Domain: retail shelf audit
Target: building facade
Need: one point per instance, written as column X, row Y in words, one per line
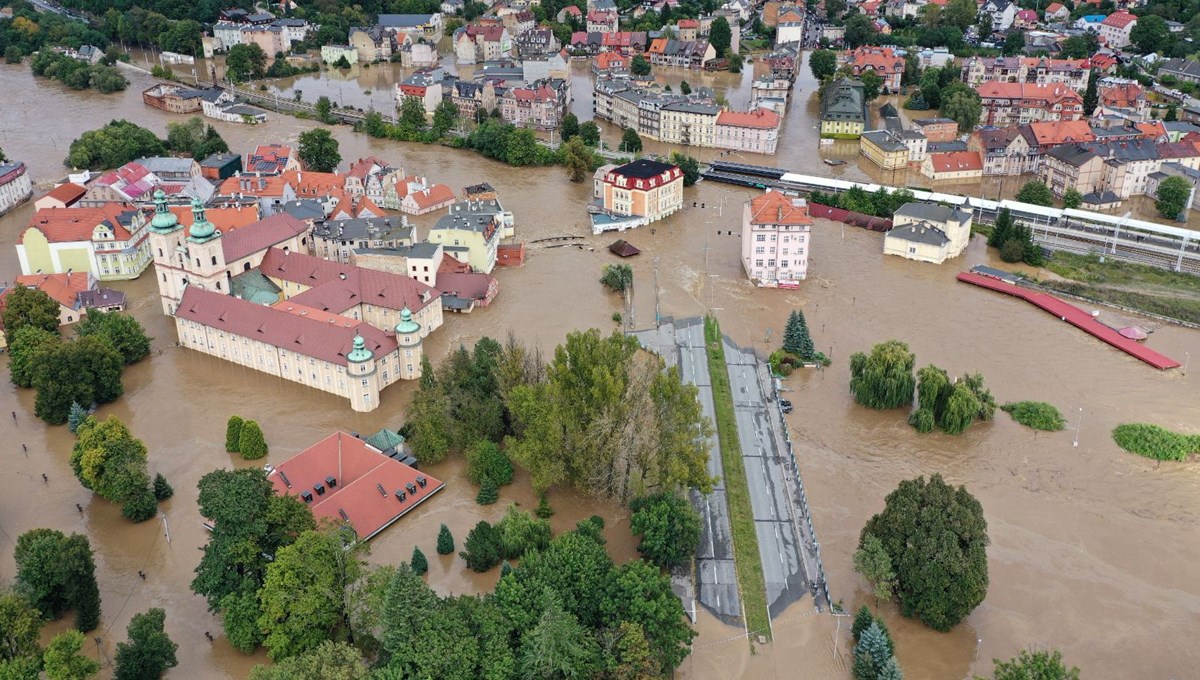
column 15, row 186
column 843, row 110
column 109, row 242
column 1019, row 103
column 776, row 238
column 643, row 188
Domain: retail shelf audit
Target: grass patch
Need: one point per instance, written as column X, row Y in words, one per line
column 1089, row 269
column 1182, row 308
column 1175, row 295
column 1036, row 414
column 747, row 560
column 1156, row 442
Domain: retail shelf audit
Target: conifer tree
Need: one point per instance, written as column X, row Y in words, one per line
column 162, row 489
column 75, row 417
column 252, row 445
column 488, row 493
column 419, row 564
column 445, row 541
column 233, row 434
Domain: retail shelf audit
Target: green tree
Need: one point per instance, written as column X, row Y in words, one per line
column 373, row 124
column 239, row 617
column 884, row 379
column 20, row 624
column 862, row 620
column 305, row 594
column 1091, row 96
column 873, row 563
column 1034, row 665
column 859, row 31
column 796, row 338
column 445, row 541
column 251, row 443
column 570, row 127
column 1171, row 197
column 63, row 660
column 408, row 603
column 638, row 592
column 577, row 158
column 823, row 64
column 1072, row 198
column 25, row 349
column 1150, row 34
column 85, row 371
column 162, row 488
column 485, row 461
column 488, row 494
column 720, row 36
column 871, row 653
column 937, row 540
column 735, row 63
column 520, row 532
column 122, row 331
column 329, row 661
column 412, row 114
column 113, row 145
column 245, row 62
column 1037, row 193
column 12, row 55
column 149, row 652
column 617, row 277
column 669, row 528
column 324, row 110
column 419, row 564
column 960, row 13
column 984, row 25
column 140, row 507
column 482, row 549
column 1001, row 229
column 110, row 461
column 445, row 117
column 685, row 87
column 319, row 150
column 1080, row 47
column 1014, row 43
column 872, row 85
column 233, row 434
column 589, row 132
column 963, row 107
column 558, row 647
column 56, row 573
column 639, row 66
column 29, row 307
column 688, row 165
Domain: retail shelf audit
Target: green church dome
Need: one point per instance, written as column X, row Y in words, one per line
column 164, row 220
column 202, row 229
column 360, row 353
column 407, row 326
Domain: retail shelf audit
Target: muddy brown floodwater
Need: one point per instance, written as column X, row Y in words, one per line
column 1093, row 550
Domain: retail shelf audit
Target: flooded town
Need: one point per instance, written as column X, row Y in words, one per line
column 748, row 394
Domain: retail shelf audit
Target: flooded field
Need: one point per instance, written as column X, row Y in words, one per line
column 1093, row 549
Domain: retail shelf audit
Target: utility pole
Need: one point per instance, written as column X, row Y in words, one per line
column 1078, row 427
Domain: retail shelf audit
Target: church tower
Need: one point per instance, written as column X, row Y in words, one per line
column 408, row 336
column 205, row 256
column 166, row 246
column 361, row 377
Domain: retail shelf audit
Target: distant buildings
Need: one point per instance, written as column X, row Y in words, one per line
column 416, row 26
column 541, row 104
column 843, row 110
column 15, row 186
column 1184, row 70
column 1116, row 28
column 635, row 194
column 881, row 61
column 928, row 233
column 1018, row 103
column 1073, row 73
column 75, row 293
column 61, row 196
column 775, row 240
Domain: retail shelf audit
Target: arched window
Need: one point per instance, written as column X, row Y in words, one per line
column 218, row 285
column 197, row 262
column 160, row 253
column 246, row 267
column 214, row 260
column 164, row 278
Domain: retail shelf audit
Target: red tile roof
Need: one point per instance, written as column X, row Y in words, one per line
column 360, row 471
column 1052, row 132
column 1119, row 19
column 64, row 288
column 466, row 285
column 763, row 119
column 225, row 219
column 317, row 338
column 689, row 23
column 775, row 208
column 1028, row 15
column 66, row 193
column 337, row 287
column 1121, row 95
column 1028, row 92
column 252, row 185
column 436, row 194
column 1054, row 7
column 881, row 60
column 607, row 60
column 956, row 161
column 66, row 225
column 260, row 236
column 1152, row 129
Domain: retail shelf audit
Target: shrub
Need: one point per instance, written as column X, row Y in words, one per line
column 1156, row 442
column 252, row 445
column 544, row 510
column 445, row 541
column 520, row 532
column 162, row 489
column 1012, row 251
column 486, row 462
column 141, row 507
column 1036, row 414
column 482, row 547
column 233, row 434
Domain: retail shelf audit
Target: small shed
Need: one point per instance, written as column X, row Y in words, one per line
column 623, row 248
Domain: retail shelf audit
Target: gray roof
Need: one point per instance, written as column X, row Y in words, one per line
column 404, row 20
column 920, row 232
column 423, row 251
column 932, row 212
column 1180, row 67
column 304, row 209
column 244, row 110
column 952, row 145
column 885, row 140
column 166, row 164
column 472, row 215
column 219, row 160
column 378, row 228
column 844, row 101
column 932, row 121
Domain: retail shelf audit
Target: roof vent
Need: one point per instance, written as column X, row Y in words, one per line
column 421, row 481
column 411, row 488
column 331, row 481
column 319, row 488
column 286, row 481
column 401, row 496
column 344, row 516
column 306, row 496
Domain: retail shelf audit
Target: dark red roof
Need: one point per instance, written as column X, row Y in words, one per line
column 311, row 337
column 359, row 471
column 336, row 287
column 261, row 235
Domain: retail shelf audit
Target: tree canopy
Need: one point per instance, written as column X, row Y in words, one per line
column 56, row 572
column 113, row 145
column 1034, row 665
column 84, row 371
column 29, row 307
column 319, row 150
column 936, row 538
column 1036, row 192
column 883, row 379
column 122, row 331
column 149, row 652
column 823, row 64
column 669, row 527
column 1172, row 196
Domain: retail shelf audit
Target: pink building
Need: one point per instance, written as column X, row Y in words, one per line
column 754, row 131
column 775, row 240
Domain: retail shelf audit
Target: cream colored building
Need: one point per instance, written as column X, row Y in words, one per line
column 644, row 188
column 884, row 148
column 331, row 54
column 928, row 233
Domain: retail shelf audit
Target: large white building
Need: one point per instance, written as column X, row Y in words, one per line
column 776, row 236
column 928, row 233
column 15, row 187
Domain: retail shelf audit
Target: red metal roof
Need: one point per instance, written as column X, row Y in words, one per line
column 1074, row 316
column 359, row 471
column 261, row 235
column 66, row 193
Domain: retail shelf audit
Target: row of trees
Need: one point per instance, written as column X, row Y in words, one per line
column 245, row 437
column 601, row 416
column 77, row 74
column 1014, row 240
column 874, row 650
column 884, row 380
column 880, row 203
column 120, row 142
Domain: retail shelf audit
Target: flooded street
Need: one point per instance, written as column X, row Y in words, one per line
column 1093, row 549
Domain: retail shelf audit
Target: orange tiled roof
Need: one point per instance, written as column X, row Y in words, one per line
column 759, row 118
column 1050, row 132
column 225, row 219
column 775, row 208
column 66, row 225
column 64, row 288
column 956, row 161
column 436, row 194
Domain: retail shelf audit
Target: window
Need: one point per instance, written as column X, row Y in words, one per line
column 760, row 238
column 214, row 260
column 364, row 382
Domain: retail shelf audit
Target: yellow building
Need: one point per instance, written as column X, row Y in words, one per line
column 928, row 233
column 883, row 148
column 843, row 110
column 474, row 225
column 109, row 242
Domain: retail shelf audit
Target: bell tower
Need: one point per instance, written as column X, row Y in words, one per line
column 166, row 247
column 361, row 377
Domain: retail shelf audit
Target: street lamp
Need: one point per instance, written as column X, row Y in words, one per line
column 1078, row 427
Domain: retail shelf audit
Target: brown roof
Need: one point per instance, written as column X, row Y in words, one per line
column 261, row 235
column 311, row 337
column 225, row 219
column 997, row 138
column 66, row 193
column 336, row 287
column 759, row 118
column 1050, row 132
column 1180, row 149
column 436, row 194
column 64, row 288
column 466, row 285
column 956, row 161
column 66, row 225
column 362, row 167
column 775, row 208
column 360, row 471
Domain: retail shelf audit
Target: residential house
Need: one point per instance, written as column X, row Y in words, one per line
column 790, row 28
column 62, row 196
column 928, row 233
column 569, row 14
column 1123, row 168
column 537, row 42
column 338, row 239
column 416, row 26
column 884, row 148
column 76, row 294
column 776, row 238
column 880, row 60
column 756, row 131
column 541, row 105
column 477, row 227
column 470, row 97
column 373, row 44
column 1073, row 73
column 1126, row 97
column 270, row 38
column 957, row 166
column 425, row 85
column 1056, row 11
column 272, row 159
column 1116, row 28
column 1018, row 103
column 1090, row 23
column 610, row 63
column 1041, row 136
column 937, row 129
column 1183, row 70
column 332, row 54
column 602, row 21
column 109, row 242
column 1002, row 13
column 357, row 177
column 1189, row 175
column 843, row 110
column 1025, row 19
column 687, row 29
column 783, row 61
column 474, row 44
column 770, row 92
column 1004, row 150
column 424, row 198
column 644, row 189
column 15, row 185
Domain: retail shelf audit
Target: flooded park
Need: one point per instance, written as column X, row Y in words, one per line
column 1093, row 550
